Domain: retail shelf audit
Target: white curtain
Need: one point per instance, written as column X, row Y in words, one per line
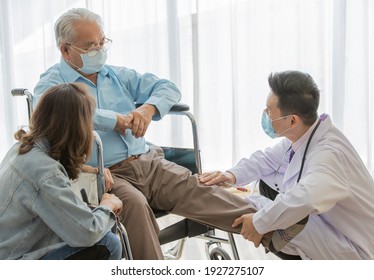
column 219, row 53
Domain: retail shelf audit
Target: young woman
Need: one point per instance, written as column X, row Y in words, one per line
column 40, row 216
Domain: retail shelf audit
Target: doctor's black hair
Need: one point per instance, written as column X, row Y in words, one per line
column 298, row 94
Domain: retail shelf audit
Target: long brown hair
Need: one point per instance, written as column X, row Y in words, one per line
column 63, row 117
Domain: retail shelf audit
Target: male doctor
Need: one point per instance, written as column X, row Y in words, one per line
column 313, row 175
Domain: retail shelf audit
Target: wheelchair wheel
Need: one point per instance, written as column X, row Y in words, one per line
column 219, row 254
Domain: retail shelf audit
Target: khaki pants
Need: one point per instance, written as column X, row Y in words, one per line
column 153, row 182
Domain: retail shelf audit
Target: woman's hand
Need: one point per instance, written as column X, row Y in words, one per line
column 113, row 202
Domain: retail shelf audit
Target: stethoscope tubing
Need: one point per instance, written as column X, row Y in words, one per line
column 306, row 150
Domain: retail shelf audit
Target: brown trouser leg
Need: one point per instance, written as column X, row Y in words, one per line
column 152, row 181
column 138, row 219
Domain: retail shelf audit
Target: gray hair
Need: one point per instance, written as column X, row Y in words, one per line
column 64, row 26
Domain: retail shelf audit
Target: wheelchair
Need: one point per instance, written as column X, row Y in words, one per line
column 176, row 232
column 185, row 228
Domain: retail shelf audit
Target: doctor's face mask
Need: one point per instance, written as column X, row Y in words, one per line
column 267, row 125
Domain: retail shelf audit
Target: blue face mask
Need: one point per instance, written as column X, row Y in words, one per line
column 93, row 64
column 267, row 125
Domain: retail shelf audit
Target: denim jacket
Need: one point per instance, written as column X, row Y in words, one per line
column 38, row 209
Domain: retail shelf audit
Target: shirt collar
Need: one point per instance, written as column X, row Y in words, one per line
column 43, row 144
column 69, row 74
column 302, row 139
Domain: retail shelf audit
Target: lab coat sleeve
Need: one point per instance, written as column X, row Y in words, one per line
column 322, row 185
column 261, row 163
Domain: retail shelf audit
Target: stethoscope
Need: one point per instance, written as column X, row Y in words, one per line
column 303, row 159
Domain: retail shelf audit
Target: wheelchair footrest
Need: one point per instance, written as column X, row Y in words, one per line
column 182, row 229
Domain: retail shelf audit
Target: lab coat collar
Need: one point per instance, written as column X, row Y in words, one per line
column 294, row 166
column 304, row 138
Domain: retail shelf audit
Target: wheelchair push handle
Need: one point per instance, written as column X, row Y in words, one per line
column 29, row 98
column 23, row 92
column 19, row 91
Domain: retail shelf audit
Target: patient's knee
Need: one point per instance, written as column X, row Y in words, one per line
column 136, row 207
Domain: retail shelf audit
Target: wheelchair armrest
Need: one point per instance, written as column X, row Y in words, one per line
column 180, row 107
column 184, row 110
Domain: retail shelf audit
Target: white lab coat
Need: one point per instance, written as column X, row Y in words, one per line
column 336, row 190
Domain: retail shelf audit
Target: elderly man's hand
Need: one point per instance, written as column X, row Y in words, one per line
column 141, row 118
column 123, row 122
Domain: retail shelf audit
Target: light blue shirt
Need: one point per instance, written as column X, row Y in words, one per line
column 117, row 91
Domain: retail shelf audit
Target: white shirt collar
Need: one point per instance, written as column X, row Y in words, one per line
column 302, row 139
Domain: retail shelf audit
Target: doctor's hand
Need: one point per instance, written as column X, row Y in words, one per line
column 123, row 122
column 248, row 231
column 141, row 118
column 217, row 178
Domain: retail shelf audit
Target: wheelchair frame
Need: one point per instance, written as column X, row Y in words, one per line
column 175, row 232
column 186, row 227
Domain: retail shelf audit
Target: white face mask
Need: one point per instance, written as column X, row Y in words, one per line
column 93, row 64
